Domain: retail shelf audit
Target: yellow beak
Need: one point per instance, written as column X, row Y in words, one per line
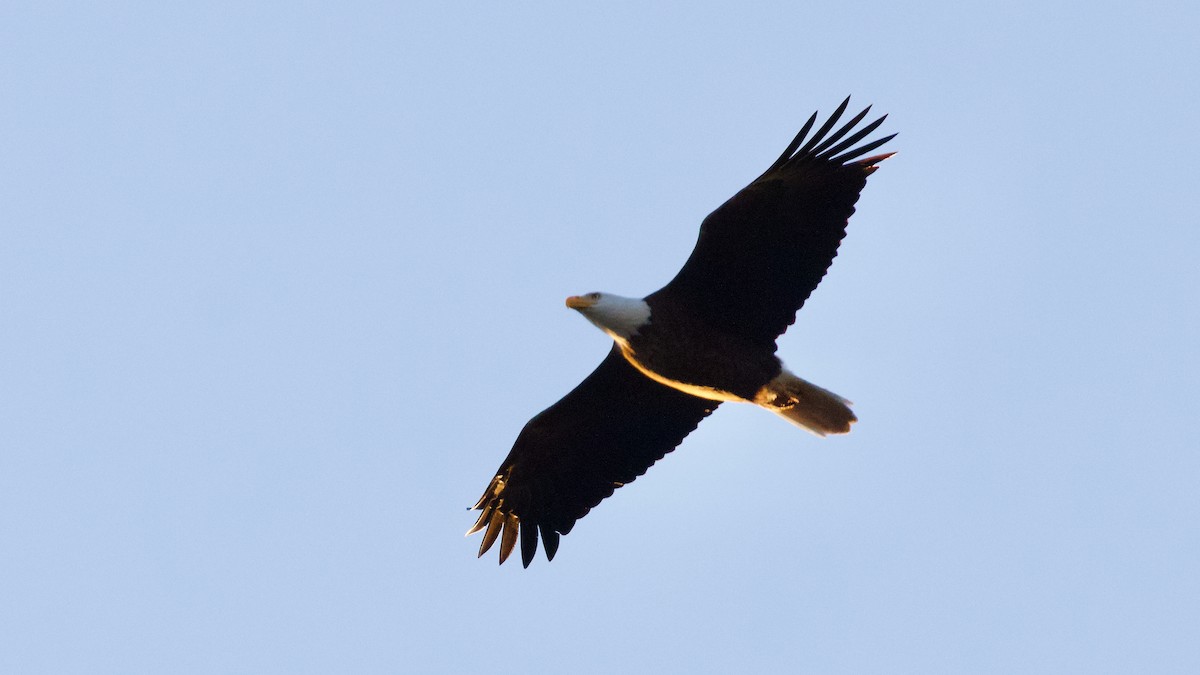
column 579, row 302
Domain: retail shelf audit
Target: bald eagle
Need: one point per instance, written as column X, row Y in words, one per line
column 706, row 337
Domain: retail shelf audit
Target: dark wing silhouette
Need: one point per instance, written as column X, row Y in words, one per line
column 568, row 458
column 760, row 254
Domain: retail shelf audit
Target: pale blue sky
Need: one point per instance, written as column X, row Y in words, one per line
column 280, row 283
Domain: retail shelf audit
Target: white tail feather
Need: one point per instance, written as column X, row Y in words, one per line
column 806, row 405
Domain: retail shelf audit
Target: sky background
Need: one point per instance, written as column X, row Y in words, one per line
column 281, row 282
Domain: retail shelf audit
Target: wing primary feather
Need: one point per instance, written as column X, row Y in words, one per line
column 858, row 152
column 817, row 137
column 874, row 160
column 858, row 136
column 511, row 524
column 837, row 135
column 549, row 542
column 871, row 164
column 481, row 523
column 791, row 148
column 529, row 540
column 493, row 531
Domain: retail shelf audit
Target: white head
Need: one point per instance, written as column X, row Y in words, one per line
column 618, row 316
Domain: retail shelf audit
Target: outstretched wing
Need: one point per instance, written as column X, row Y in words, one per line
column 568, row 458
column 760, row 254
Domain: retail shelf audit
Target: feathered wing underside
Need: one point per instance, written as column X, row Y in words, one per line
column 760, row 254
column 605, row 433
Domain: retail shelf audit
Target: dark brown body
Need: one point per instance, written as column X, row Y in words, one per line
column 705, row 361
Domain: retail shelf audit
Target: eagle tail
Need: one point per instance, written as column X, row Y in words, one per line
column 806, row 405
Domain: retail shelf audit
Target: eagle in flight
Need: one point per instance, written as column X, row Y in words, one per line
column 706, row 337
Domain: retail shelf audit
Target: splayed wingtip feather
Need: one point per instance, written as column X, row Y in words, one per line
column 820, row 135
column 858, row 152
column 549, row 542
column 529, row 542
column 493, row 531
column 509, row 538
column 480, row 523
